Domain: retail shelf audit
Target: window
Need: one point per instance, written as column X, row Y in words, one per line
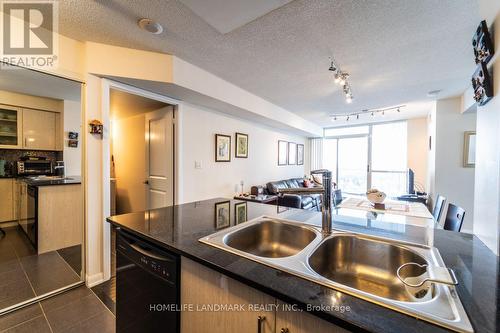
column 371, row 156
column 389, row 160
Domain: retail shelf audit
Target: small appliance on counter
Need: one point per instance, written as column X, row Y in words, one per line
column 34, row 165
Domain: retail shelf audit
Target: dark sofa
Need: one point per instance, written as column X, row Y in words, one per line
column 303, row 201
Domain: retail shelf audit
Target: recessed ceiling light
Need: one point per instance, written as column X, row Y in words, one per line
column 150, row 26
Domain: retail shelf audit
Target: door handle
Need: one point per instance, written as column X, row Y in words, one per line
column 146, row 182
column 285, row 330
column 260, row 321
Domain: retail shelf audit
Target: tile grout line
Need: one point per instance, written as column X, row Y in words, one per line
column 22, row 323
column 45, row 316
column 102, row 302
column 67, row 264
column 24, row 271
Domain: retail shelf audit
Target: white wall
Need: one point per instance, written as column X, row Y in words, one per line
column 417, row 142
column 451, row 179
column 487, row 198
column 72, row 123
column 198, row 127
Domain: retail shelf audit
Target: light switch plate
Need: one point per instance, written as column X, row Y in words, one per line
column 198, row 164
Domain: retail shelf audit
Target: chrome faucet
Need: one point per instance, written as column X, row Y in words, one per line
column 326, row 206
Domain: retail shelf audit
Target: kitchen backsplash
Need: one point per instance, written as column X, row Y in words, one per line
column 12, row 155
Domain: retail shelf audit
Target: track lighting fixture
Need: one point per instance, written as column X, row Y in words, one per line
column 372, row 112
column 341, row 78
column 332, row 67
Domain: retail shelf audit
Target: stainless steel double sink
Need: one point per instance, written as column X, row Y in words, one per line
column 357, row 264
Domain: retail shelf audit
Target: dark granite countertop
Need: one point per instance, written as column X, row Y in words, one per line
column 178, row 229
column 70, row 180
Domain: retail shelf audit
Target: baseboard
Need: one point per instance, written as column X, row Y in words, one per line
column 94, row 280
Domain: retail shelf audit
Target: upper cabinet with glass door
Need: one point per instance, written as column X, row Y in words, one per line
column 10, row 127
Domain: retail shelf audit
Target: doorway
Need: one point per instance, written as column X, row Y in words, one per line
column 139, row 163
column 141, row 148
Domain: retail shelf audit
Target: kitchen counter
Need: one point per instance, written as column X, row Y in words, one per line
column 178, row 229
column 70, row 180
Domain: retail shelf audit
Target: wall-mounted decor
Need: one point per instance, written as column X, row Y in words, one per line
column 482, row 84
column 96, row 127
column 469, row 149
column 222, row 148
column 73, row 139
column 300, row 154
column 240, row 212
column 241, row 150
column 282, row 152
column 292, row 153
column 222, row 214
column 482, row 44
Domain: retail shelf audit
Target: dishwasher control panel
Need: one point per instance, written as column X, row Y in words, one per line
column 149, row 257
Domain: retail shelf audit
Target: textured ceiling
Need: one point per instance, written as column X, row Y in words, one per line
column 395, row 50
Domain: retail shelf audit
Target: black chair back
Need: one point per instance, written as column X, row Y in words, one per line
column 438, row 207
column 454, row 218
column 337, row 197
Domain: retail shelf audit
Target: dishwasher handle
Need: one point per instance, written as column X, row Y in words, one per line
column 136, row 245
column 149, row 253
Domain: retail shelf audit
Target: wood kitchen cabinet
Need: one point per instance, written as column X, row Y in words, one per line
column 39, row 129
column 31, row 122
column 10, row 127
column 202, row 287
column 302, row 322
column 7, row 212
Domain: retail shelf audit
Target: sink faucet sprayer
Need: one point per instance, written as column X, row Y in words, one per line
column 326, row 206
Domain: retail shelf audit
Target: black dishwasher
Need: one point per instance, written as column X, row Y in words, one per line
column 147, row 286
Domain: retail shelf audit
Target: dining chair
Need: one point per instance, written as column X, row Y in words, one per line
column 438, row 207
column 454, row 218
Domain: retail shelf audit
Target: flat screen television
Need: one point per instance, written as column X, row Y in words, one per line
column 411, row 181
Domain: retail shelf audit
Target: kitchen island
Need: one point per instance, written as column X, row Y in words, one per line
column 50, row 211
column 178, row 229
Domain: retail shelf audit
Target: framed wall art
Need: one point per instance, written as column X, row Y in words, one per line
column 469, row 149
column 282, row 152
column 300, row 154
column 222, row 148
column 241, row 150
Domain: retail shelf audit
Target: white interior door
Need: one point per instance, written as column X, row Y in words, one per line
column 159, row 158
